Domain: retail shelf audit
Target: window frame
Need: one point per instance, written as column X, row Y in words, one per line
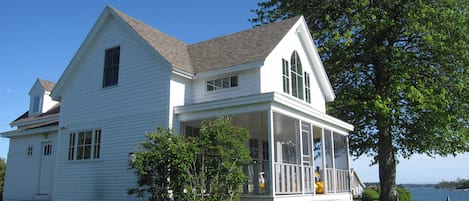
column 37, row 103
column 84, row 148
column 296, row 71
column 286, row 76
column 222, row 83
column 307, row 87
column 111, row 67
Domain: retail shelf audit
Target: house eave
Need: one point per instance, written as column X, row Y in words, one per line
column 41, row 130
column 35, row 120
column 308, row 43
column 183, row 73
column 257, row 102
column 231, row 69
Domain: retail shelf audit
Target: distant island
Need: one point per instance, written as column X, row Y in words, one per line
column 458, row 184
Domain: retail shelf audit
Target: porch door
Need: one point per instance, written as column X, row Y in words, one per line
column 45, row 177
column 307, row 156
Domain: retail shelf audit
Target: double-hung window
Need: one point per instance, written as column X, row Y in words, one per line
column 84, row 145
column 111, row 67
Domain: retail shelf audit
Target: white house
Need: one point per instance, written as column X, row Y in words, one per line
column 31, row 156
column 356, row 184
column 127, row 78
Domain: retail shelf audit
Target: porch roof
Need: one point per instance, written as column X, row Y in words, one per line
column 254, row 103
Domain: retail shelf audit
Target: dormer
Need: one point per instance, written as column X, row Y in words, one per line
column 40, row 101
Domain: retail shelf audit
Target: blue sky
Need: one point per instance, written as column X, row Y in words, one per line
column 39, row 38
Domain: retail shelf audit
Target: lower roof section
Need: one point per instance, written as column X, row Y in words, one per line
column 260, row 102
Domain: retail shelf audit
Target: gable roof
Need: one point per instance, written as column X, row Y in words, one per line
column 226, row 51
column 239, row 48
column 172, row 49
column 47, row 85
column 229, row 50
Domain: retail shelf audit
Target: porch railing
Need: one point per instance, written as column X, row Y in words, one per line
column 338, row 180
column 287, row 178
column 254, row 172
column 291, row 179
column 342, row 180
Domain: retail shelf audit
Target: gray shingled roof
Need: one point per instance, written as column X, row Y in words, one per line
column 48, row 85
column 229, row 50
column 55, row 110
column 239, row 48
column 172, row 49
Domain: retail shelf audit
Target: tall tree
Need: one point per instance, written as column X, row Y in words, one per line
column 400, row 72
column 2, row 176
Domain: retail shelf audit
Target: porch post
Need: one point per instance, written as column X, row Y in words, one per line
column 302, row 169
column 271, row 142
column 324, row 165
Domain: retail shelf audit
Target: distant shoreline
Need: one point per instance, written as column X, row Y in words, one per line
column 456, row 190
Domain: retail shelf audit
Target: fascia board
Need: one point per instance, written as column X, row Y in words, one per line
column 271, row 98
column 305, row 108
column 232, row 69
column 26, row 122
column 56, row 93
column 320, row 73
column 41, row 130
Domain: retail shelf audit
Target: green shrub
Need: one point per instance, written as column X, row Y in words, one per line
column 403, row 193
column 370, row 195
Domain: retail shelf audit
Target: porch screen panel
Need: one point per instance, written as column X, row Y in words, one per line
column 286, row 130
column 341, row 163
column 328, row 146
column 319, row 172
column 287, row 154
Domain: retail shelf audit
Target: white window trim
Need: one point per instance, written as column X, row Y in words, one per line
column 93, row 145
column 221, row 87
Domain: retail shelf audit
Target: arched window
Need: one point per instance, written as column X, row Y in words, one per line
column 296, row 76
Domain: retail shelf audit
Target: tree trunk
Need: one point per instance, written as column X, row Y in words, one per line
column 387, row 166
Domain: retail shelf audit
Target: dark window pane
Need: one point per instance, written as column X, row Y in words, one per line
column 234, row 81
column 111, row 67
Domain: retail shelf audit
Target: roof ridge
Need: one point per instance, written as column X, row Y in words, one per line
column 238, row 48
column 175, row 51
column 46, row 84
column 262, row 26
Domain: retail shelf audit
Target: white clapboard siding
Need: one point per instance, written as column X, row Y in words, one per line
column 139, row 103
column 271, row 72
column 181, row 94
column 248, row 84
column 22, row 176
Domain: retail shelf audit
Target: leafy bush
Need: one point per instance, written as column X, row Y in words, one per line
column 373, row 195
column 404, row 194
column 207, row 167
column 370, row 195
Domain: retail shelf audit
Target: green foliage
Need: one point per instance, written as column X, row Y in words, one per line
column 399, row 70
column 208, row 167
column 370, row 195
column 404, row 194
column 3, row 166
column 458, row 184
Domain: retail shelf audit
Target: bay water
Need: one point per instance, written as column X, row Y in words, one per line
column 434, row 194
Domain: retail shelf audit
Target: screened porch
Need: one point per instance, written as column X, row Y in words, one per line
column 290, row 156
